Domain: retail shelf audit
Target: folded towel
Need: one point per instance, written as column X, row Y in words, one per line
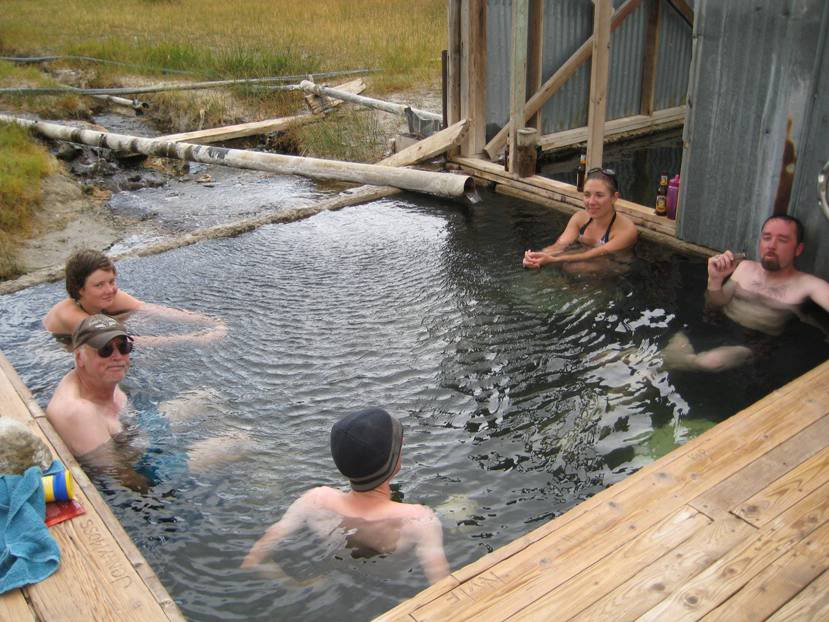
column 28, row 553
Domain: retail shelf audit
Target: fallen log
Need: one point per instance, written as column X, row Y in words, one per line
column 445, row 185
column 419, row 152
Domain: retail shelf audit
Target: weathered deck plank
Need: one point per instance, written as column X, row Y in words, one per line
column 102, row 575
column 601, row 560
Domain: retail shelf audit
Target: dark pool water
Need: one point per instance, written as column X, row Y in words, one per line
column 521, row 393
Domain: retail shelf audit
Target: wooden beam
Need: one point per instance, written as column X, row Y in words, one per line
column 535, row 50
column 228, row 132
column 518, row 84
column 649, row 61
column 555, row 82
column 684, row 10
column 268, row 126
column 561, row 192
column 428, row 148
column 617, row 128
column 473, row 73
column 596, row 113
column 453, row 83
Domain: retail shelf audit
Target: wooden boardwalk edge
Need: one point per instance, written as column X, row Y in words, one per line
column 99, row 560
column 764, row 435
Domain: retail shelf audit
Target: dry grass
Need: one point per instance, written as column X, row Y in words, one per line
column 254, row 37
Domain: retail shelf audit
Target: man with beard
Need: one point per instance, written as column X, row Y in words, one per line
column 760, row 296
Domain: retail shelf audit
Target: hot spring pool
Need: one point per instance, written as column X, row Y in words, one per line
column 521, row 393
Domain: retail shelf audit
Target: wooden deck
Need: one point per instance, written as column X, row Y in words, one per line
column 734, row 525
column 102, row 575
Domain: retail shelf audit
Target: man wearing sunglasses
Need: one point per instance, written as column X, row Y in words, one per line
column 87, row 405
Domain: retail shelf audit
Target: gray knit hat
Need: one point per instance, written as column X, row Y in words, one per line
column 365, row 446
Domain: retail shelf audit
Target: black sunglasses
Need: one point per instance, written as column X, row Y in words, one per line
column 124, row 345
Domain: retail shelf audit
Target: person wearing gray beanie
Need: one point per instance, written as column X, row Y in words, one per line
column 366, row 446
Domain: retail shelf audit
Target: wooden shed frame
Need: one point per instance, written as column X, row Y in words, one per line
column 466, row 98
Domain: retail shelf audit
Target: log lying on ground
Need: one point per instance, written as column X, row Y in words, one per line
column 419, row 152
column 445, row 185
column 228, row 132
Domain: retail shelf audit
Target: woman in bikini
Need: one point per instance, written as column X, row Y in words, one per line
column 599, row 229
column 90, row 283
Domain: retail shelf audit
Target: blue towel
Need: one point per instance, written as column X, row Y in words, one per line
column 28, row 553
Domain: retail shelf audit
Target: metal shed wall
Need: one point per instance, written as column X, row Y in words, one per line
column 754, row 69
column 814, row 153
column 568, row 24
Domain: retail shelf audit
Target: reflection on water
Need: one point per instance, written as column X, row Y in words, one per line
column 521, row 392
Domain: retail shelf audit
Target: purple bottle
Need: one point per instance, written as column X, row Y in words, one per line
column 673, row 197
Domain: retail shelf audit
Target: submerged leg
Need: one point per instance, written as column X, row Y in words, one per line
column 679, row 355
column 218, row 450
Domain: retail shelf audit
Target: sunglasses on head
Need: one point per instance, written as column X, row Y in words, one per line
column 607, row 172
column 604, row 171
column 124, row 345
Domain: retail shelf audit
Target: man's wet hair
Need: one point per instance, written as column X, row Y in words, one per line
column 787, row 218
column 80, row 265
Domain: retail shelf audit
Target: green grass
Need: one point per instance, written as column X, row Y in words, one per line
column 23, row 163
column 353, row 136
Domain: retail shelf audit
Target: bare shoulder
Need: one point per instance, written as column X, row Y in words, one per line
column 579, row 218
column 67, row 407
column 627, row 225
column 321, row 497
column 419, row 513
column 63, row 317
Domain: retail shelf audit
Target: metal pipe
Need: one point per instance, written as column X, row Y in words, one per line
column 399, row 109
column 136, row 105
column 158, row 88
column 439, row 184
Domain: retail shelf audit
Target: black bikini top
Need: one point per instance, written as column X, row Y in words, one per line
column 606, row 237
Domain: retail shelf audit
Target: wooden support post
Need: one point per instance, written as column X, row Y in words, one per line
column 554, row 82
column 535, row 59
column 518, row 84
column 602, row 12
column 453, row 80
column 649, row 61
column 525, row 155
column 473, row 74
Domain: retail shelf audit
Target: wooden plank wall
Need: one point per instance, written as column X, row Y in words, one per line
column 733, row 525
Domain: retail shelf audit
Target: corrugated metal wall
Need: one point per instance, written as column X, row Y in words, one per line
column 568, row 24
column 814, row 152
column 754, row 69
